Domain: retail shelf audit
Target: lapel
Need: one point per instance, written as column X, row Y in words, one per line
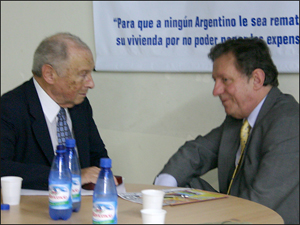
column 272, row 96
column 38, row 121
column 80, row 128
column 228, row 149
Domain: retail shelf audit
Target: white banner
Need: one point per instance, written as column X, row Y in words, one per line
column 176, row 36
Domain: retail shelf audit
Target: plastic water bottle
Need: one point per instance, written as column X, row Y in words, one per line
column 75, row 169
column 60, row 184
column 105, row 197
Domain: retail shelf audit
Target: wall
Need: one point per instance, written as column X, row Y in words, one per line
column 143, row 118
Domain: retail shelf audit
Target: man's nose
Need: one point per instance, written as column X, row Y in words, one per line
column 90, row 82
column 218, row 88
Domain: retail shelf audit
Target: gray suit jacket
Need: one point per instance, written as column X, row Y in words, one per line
column 269, row 173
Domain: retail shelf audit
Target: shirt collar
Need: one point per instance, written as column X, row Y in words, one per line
column 253, row 115
column 50, row 107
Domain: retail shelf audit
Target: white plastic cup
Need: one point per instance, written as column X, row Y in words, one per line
column 11, row 189
column 152, row 199
column 153, row 216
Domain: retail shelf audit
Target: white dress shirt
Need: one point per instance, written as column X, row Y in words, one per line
column 51, row 109
column 165, row 179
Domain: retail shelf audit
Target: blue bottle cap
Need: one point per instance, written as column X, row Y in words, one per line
column 70, row 143
column 4, row 206
column 105, row 162
column 60, row 149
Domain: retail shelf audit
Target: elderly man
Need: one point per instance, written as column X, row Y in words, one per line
column 62, row 68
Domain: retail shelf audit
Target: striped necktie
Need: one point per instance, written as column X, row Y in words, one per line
column 63, row 131
column 243, row 140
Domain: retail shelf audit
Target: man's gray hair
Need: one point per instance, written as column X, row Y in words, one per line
column 53, row 50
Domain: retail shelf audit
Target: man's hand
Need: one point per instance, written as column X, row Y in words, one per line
column 90, row 175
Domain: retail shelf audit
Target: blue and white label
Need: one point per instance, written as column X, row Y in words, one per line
column 104, row 212
column 76, row 188
column 60, row 196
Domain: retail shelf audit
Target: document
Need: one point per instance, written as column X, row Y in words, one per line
column 177, row 196
column 120, row 189
column 40, row 192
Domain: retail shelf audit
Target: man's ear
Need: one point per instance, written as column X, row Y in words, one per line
column 258, row 76
column 48, row 73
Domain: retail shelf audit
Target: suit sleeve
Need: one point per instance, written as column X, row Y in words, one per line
column 97, row 146
column 194, row 158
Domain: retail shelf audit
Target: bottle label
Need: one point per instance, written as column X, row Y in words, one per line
column 60, row 196
column 104, row 212
column 76, row 188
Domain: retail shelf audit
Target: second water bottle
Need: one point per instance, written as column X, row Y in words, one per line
column 60, row 199
column 75, row 169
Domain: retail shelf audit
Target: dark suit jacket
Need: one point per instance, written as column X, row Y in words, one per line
column 269, row 173
column 26, row 148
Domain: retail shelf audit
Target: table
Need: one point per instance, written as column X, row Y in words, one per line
column 34, row 209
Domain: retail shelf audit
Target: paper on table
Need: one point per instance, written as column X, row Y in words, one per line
column 120, row 189
column 39, row 192
column 177, row 196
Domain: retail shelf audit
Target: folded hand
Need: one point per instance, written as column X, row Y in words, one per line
column 90, row 175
